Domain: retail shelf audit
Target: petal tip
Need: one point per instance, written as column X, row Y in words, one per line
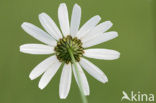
column 76, row 5
column 105, row 79
column 98, row 16
column 31, row 77
column 109, row 22
column 63, row 4
column 23, row 24
column 20, row 48
column 42, row 14
column 116, row 33
column 87, row 94
column 41, row 86
column 118, row 55
column 63, row 97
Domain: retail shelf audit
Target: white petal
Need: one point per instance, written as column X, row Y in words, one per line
column 36, row 49
column 105, row 26
column 93, row 70
column 105, row 54
column 101, row 28
column 42, row 67
column 97, row 39
column 37, row 33
column 63, row 19
column 89, row 25
column 75, row 20
column 48, row 75
column 84, row 82
column 65, row 81
column 50, row 26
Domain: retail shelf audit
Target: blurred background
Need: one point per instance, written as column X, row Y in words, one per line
column 134, row 71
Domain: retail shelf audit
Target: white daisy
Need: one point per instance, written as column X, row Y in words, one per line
column 71, row 39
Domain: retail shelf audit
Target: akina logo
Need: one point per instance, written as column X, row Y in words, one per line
column 137, row 96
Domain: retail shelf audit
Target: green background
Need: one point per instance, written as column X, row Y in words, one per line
column 135, row 70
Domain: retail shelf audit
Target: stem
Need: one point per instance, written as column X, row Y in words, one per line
column 84, row 99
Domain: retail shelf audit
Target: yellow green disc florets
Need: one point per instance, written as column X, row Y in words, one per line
column 66, row 43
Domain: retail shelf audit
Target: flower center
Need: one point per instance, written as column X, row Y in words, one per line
column 63, row 46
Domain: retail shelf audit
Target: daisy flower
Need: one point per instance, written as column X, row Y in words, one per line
column 68, row 47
